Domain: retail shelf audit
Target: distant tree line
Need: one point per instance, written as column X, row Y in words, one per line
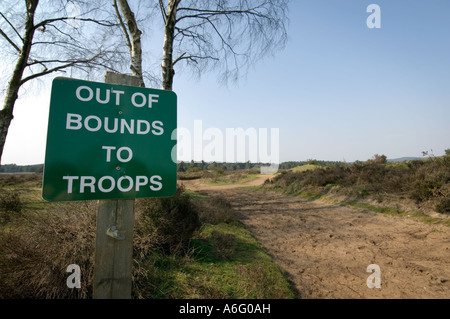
column 13, row 168
column 184, row 166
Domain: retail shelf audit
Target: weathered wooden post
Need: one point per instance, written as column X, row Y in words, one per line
column 114, row 237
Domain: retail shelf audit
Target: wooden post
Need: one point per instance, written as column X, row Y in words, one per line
column 114, row 238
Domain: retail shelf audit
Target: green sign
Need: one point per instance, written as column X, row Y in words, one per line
column 108, row 141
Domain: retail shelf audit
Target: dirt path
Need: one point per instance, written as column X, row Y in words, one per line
column 196, row 184
column 326, row 249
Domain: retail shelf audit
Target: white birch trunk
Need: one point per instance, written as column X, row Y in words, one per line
column 169, row 34
column 135, row 41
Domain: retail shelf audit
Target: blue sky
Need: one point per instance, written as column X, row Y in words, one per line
column 338, row 91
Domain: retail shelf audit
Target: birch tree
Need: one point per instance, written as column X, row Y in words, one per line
column 227, row 36
column 132, row 36
column 44, row 39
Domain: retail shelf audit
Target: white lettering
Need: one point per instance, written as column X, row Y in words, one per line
column 107, row 184
column 94, row 123
column 264, row 156
column 84, row 99
column 374, row 20
column 102, row 188
column 70, row 183
column 374, row 280
column 108, row 152
column 74, row 280
column 119, row 184
column 106, row 100
column 124, row 124
column 119, row 156
column 241, row 148
column 159, row 129
column 157, row 183
column 141, row 181
column 214, row 150
column 139, row 129
column 87, row 181
column 73, row 118
column 117, row 93
column 95, row 118
column 151, row 100
column 142, row 96
column 116, row 124
column 183, row 148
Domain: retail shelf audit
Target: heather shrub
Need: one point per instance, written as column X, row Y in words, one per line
column 10, row 202
column 167, row 223
column 216, row 210
column 37, row 249
column 421, row 180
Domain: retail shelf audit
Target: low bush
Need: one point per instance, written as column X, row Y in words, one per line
column 10, row 202
column 443, row 206
column 167, row 223
column 37, row 249
column 216, row 210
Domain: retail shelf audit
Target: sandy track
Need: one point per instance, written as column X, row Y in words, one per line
column 326, row 249
column 196, row 184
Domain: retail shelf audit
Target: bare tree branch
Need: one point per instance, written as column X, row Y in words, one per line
column 12, row 26
column 193, row 58
column 66, row 47
column 211, row 13
column 10, row 41
column 163, row 11
column 50, row 21
column 227, row 35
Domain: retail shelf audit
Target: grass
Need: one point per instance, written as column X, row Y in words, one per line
column 195, row 195
column 222, row 261
column 395, row 212
column 305, row 167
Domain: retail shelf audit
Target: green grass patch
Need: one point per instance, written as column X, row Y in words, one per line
column 382, row 210
column 393, row 211
column 224, row 262
column 194, row 195
column 306, row 167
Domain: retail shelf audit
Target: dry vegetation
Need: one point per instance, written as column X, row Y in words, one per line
column 219, row 176
column 173, row 238
column 420, row 185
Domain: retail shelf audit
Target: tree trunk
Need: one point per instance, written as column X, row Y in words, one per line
column 6, row 114
column 169, row 34
column 135, row 34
